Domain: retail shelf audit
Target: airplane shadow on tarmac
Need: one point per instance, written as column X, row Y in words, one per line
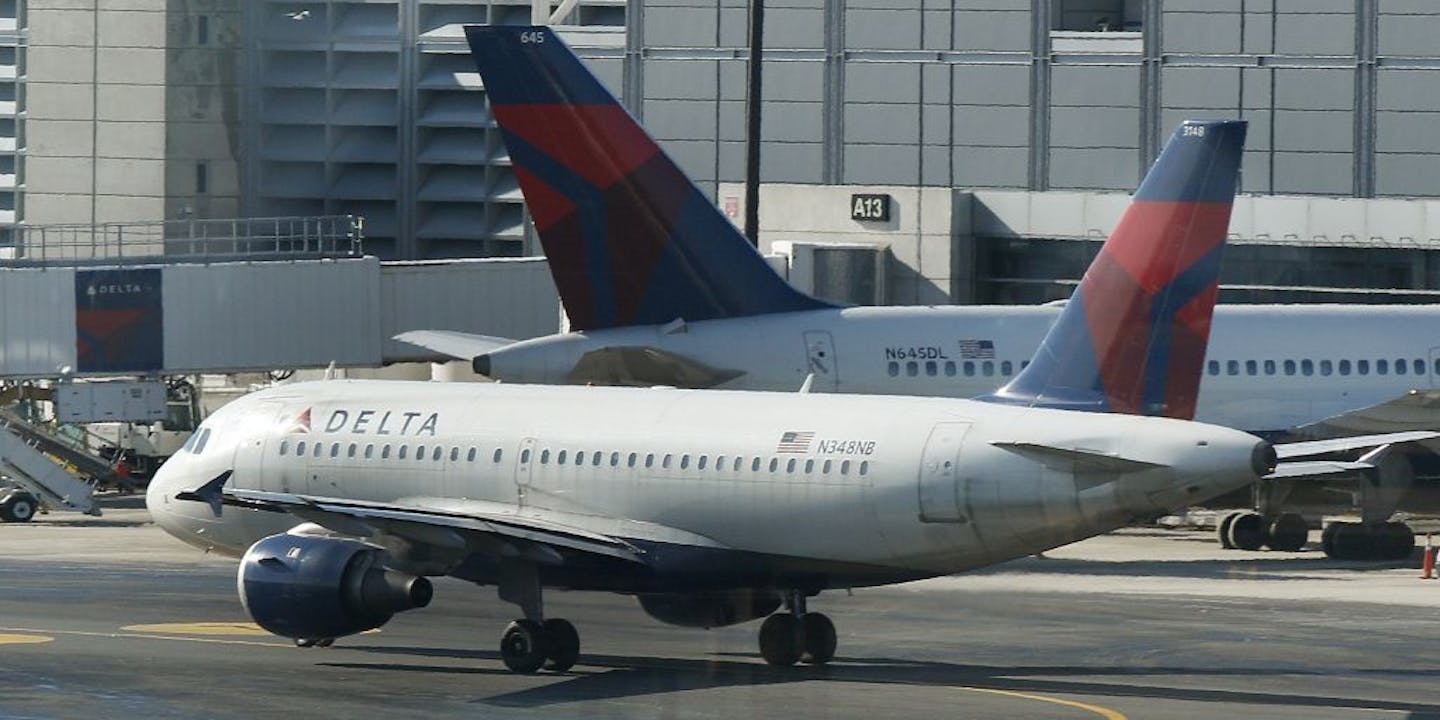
column 609, row 677
column 1247, row 566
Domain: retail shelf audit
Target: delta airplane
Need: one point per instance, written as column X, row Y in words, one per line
column 713, row 507
column 662, row 290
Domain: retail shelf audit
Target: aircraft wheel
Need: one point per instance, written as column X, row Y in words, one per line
column 1352, row 541
column 819, row 639
column 1222, row 530
column 523, row 647
column 1327, row 540
column 314, row 642
column 1397, row 541
column 1288, row 533
column 782, row 640
column 564, row 645
column 1247, row 531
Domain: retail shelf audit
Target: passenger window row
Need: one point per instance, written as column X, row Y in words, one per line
column 370, row 451
column 685, row 461
column 949, row 368
column 1324, row 368
column 667, row 461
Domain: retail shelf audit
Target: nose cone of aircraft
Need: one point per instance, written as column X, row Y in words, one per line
column 167, row 512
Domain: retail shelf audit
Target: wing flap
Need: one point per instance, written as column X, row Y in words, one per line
column 1316, row 468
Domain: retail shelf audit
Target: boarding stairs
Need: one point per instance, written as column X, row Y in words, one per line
column 59, row 471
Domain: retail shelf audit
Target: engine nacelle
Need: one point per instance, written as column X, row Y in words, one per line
column 708, row 610
column 303, row 586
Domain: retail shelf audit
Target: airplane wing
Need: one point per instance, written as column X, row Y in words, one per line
column 459, row 345
column 1286, row 451
column 1291, row 467
column 1415, row 410
column 644, row 367
column 541, row 535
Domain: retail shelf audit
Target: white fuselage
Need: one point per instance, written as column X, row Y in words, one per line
column 872, row 489
column 1269, row 367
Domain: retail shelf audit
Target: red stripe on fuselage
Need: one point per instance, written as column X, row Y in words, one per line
column 1157, row 241
column 600, row 143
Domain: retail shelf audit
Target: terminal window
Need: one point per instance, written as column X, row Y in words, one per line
column 1096, row 15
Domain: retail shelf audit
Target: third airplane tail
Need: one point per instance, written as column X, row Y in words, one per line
column 631, row 241
column 1132, row 338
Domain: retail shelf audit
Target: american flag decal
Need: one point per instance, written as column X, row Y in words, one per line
column 795, row 442
column 977, row 349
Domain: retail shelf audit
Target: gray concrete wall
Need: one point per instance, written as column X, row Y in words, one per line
column 95, row 104
column 202, row 109
column 898, row 92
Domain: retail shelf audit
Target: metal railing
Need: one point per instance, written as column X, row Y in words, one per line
column 196, row 240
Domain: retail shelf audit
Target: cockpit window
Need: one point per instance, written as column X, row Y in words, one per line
column 198, row 440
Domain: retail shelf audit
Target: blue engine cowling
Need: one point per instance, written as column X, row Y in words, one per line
column 300, row 586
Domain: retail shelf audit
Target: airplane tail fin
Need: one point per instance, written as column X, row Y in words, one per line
column 1132, row 338
column 630, row 239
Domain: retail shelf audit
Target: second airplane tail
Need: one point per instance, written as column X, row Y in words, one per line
column 1132, row 338
column 630, row 239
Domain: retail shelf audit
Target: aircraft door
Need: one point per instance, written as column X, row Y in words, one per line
column 250, row 453
column 821, row 361
column 524, row 463
column 940, row 500
column 1434, row 367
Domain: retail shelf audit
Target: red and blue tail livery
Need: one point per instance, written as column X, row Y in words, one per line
column 631, row 240
column 1132, row 338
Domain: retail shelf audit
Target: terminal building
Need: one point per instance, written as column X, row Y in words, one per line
column 1002, row 133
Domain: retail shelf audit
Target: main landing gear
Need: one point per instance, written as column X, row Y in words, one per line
column 533, row 642
column 1340, row 540
column 796, row 635
column 1251, row 531
column 1356, row 541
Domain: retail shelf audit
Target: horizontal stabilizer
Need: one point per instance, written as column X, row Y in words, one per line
column 1358, row 442
column 646, row 367
column 1070, row 459
column 461, row 346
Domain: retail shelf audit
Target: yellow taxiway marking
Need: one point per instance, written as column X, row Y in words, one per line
column 200, row 628
column 1103, row 712
column 24, row 639
column 150, row 636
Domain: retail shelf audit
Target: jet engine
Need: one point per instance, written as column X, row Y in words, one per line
column 316, row 587
column 712, row 609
